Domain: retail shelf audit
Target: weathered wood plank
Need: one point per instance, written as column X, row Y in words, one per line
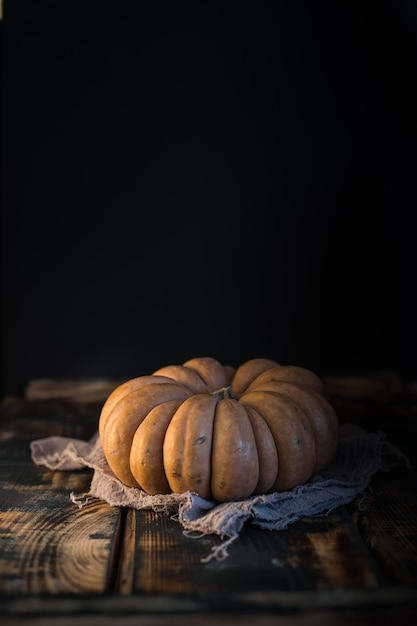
column 326, row 552
column 257, row 603
column 22, row 420
column 79, row 391
column 47, row 544
column 346, row 617
column 387, row 520
column 387, row 516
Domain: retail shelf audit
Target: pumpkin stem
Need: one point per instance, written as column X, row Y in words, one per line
column 224, row 392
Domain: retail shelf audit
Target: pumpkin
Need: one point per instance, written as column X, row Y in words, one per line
column 221, row 432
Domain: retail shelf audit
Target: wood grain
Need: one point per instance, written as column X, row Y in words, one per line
column 326, row 552
column 88, row 391
column 387, row 520
column 47, row 544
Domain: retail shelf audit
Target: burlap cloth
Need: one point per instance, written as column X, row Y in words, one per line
column 359, row 456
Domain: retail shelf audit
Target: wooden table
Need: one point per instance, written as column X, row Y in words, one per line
column 65, row 565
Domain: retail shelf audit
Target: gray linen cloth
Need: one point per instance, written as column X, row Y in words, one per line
column 359, row 456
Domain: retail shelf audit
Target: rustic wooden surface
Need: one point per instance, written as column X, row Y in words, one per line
column 58, row 562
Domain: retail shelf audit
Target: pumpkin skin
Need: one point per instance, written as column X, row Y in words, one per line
column 220, row 432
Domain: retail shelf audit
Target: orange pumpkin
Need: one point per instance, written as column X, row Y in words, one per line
column 222, row 433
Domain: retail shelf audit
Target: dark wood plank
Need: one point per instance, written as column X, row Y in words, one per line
column 346, row 617
column 386, row 516
column 387, row 520
column 326, row 552
column 275, row 603
column 79, row 392
column 47, row 544
column 22, row 419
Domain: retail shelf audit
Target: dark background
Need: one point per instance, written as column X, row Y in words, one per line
column 226, row 179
